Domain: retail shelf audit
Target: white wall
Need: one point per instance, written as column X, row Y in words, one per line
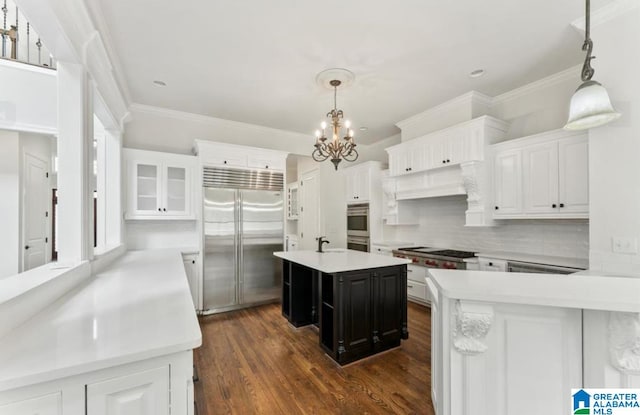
column 9, row 203
column 28, row 101
column 174, row 132
column 161, row 234
column 442, row 226
column 614, row 149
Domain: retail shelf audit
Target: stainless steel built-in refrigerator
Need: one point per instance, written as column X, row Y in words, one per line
column 243, row 216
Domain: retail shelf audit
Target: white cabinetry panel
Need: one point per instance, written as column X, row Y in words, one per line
column 540, row 175
column 142, row 393
column 508, row 182
column 573, row 190
column 190, row 262
column 42, row 405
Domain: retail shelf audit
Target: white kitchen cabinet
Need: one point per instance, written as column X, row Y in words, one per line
column 216, row 154
column 447, row 150
column 50, row 404
column 358, row 182
column 508, row 182
column 191, row 268
column 142, row 393
column 160, row 185
column 408, row 158
column 292, row 201
column 542, row 176
column 416, row 288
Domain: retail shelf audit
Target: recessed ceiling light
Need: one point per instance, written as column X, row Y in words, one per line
column 477, row 73
column 159, row 83
column 363, row 129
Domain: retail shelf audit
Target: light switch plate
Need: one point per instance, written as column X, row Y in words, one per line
column 623, row 245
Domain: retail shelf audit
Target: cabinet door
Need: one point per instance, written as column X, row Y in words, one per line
column 42, row 405
column 142, row 393
column 145, row 184
column 540, row 178
column 357, row 314
column 573, row 188
column 362, row 182
column 227, row 158
column 398, row 162
column 350, row 187
column 177, row 191
column 265, row 161
column 508, row 182
column 388, row 312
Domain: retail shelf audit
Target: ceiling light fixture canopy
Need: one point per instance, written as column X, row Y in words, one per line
column 590, row 104
column 337, row 148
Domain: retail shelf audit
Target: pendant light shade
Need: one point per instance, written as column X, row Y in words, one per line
column 590, row 104
column 590, row 107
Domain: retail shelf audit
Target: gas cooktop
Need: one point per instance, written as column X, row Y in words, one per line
column 451, row 253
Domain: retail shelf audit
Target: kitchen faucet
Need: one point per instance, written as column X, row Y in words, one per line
column 321, row 241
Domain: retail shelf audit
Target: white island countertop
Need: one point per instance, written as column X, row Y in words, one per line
column 570, row 291
column 138, row 308
column 340, row 260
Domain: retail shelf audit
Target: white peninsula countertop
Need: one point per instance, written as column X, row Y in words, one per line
column 139, row 307
column 570, row 291
column 340, row 260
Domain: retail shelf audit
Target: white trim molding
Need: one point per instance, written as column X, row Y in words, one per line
column 606, row 13
column 556, row 78
column 472, row 323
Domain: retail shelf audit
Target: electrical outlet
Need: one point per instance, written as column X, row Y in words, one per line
column 622, row 245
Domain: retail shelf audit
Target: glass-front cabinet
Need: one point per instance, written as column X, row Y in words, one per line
column 160, row 185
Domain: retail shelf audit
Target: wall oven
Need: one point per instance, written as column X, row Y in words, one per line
column 358, row 243
column 358, row 220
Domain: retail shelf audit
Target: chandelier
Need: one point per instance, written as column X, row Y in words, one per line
column 590, row 105
column 336, row 148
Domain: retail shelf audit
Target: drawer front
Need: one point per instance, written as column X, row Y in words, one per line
column 490, row 264
column 416, row 273
column 417, row 290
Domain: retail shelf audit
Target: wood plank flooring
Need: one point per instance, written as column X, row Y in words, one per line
column 253, row 362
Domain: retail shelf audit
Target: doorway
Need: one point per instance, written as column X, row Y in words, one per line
column 35, row 215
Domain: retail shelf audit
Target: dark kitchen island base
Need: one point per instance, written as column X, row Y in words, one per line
column 359, row 313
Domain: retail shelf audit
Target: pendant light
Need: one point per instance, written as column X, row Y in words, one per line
column 590, row 104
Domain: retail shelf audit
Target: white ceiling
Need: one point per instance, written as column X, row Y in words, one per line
column 256, row 61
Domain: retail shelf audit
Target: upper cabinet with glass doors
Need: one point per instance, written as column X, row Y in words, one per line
column 159, row 185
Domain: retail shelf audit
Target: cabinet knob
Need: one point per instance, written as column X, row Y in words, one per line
column 164, row 209
column 561, row 205
column 266, row 167
column 448, row 161
column 553, row 206
column 444, row 161
column 224, row 162
column 496, row 208
column 193, row 261
column 159, row 210
column 409, row 286
column 26, row 247
column 490, row 263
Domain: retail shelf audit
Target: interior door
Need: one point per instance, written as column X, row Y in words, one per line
column 34, row 212
column 262, row 213
column 309, row 210
column 220, row 216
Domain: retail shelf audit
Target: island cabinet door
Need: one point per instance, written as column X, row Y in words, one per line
column 356, row 338
column 388, row 289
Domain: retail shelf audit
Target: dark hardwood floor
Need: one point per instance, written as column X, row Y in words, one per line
column 253, row 362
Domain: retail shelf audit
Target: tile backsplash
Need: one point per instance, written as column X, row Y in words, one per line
column 442, row 225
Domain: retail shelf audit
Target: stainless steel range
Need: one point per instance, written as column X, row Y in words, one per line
column 434, row 257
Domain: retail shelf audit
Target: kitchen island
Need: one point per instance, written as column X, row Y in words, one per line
column 505, row 343
column 358, row 300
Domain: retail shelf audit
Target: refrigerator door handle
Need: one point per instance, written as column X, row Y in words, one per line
column 240, row 262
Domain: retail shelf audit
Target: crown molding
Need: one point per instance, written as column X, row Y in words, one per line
column 606, row 13
column 572, row 73
column 469, row 97
column 205, row 119
column 28, row 128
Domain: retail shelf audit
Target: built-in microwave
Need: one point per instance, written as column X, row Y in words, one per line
column 358, row 220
